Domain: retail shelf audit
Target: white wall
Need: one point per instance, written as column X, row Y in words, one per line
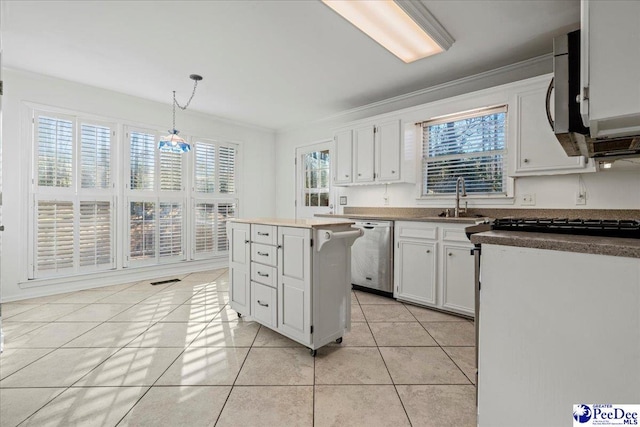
column 618, row 188
column 257, row 184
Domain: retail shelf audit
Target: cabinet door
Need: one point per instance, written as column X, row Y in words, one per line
column 416, row 271
column 239, row 267
column 388, row 139
column 294, row 283
column 364, row 154
column 458, row 278
column 343, row 157
column 610, row 59
column 537, row 148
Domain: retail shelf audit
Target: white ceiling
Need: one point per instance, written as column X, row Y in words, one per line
column 269, row 63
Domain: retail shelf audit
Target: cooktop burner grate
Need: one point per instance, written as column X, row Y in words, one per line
column 592, row 227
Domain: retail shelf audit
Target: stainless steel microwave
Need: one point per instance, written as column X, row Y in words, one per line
column 567, row 123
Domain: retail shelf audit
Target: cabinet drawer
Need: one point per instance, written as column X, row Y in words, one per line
column 264, row 254
column 263, row 304
column 264, row 274
column 455, row 235
column 266, row 234
column 416, row 230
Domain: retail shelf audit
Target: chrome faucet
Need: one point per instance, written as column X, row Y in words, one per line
column 464, row 194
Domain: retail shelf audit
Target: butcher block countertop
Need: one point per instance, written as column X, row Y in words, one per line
column 299, row 223
column 613, row 246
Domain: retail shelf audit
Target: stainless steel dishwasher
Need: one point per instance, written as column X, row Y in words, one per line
column 372, row 257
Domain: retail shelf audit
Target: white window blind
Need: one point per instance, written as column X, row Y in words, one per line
column 211, row 226
column 95, row 233
column 170, row 230
column 95, row 156
column 225, row 212
column 54, row 237
column 170, row 171
column 54, row 138
column 227, row 169
column 205, row 167
column 142, row 155
column 142, row 230
column 205, row 227
column 471, row 146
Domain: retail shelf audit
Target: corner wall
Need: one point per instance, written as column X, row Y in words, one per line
column 618, row 188
column 257, row 183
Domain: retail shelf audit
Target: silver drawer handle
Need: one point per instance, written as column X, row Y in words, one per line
column 262, row 234
column 263, row 304
column 262, row 274
column 263, row 253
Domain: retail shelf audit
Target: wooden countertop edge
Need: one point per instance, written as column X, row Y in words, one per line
column 612, row 246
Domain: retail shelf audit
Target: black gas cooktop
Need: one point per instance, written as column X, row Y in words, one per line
column 591, row 227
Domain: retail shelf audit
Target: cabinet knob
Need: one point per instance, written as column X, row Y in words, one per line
column 346, row 176
column 263, row 253
column 359, row 174
column 263, row 304
column 261, row 274
column 450, row 254
column 525, row 160
column 246, row 241
column 428, row 251
column 393, row 171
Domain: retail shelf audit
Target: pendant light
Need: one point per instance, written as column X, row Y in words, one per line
column 172, row 142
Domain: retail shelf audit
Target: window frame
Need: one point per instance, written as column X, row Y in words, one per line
column 118, row 194
column 505, row 196
column 74, row 193
column 214, row 197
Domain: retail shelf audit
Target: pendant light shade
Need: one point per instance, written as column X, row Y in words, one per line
column 173, row 143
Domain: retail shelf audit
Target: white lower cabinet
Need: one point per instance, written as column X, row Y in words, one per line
column 416, row 271
column 433, row 266
column 290, row 286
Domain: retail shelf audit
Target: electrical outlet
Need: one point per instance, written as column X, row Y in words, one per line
column 528, row 200
column 386, row 199
column 581, row 198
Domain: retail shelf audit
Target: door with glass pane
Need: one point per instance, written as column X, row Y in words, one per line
column 313, row 184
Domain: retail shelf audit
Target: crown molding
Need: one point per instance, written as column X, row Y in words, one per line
column 528, row 63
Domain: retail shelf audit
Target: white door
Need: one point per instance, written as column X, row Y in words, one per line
column 364, row 142
column 416, row 271
column 313, row 180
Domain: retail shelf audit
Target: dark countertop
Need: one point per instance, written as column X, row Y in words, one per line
column 378, row 217
column 613, row 246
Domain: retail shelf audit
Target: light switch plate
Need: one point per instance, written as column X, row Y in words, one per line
column 343, row 200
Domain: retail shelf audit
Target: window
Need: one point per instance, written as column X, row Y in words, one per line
column 316, row 178
column 169, row 207
column 156, row 201
column 73, row 196
column 213, row 197
column 470, row 145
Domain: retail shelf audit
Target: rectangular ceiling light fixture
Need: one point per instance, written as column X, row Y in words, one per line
column 405, row 28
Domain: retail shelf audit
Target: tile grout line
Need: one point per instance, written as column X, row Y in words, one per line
column 168, row 366
column 66, row 388
column 237, row 375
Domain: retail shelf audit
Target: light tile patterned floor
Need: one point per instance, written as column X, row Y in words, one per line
column 176, row 354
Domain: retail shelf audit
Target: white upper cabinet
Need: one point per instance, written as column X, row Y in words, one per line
column 364, row 154
column 343, row 157
column 610, row 60
column 388, row 154
column 380, row 154
column 537, row 150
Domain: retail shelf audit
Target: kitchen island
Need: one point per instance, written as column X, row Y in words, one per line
column 559, row 326
column 293, row 276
